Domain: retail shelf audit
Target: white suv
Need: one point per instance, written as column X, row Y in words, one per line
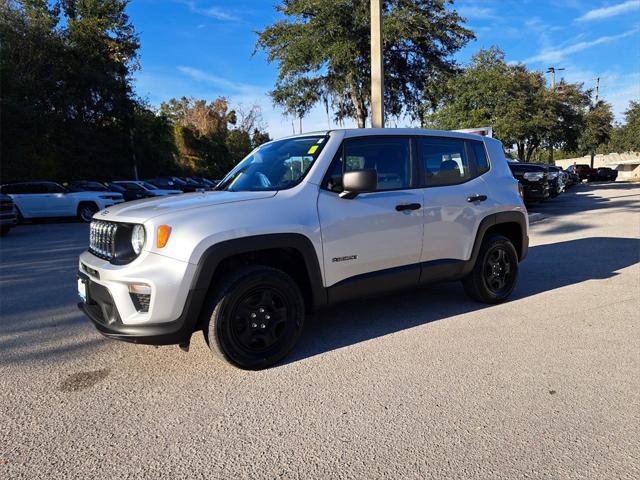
column 50, row 199
column 303, row 222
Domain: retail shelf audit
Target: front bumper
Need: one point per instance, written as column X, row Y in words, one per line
column 173, row 310
column 101, row 309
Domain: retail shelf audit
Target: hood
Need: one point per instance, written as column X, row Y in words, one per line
column 139, row 211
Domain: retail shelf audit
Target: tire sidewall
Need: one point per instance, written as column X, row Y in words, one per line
column 513, row 257
column 220, row 325
column 87, row 207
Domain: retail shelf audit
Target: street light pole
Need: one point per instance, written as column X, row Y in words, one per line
column 552, row 71
column 377, row 67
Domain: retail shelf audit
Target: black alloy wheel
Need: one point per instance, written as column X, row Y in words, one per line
column 259, row 319
column 495, row 272
column 498, row 270
column 255, row 317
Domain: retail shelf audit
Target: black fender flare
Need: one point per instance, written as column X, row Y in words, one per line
column 496, row 219
column 216, row 253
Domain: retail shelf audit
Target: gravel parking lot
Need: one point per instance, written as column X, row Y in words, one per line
column 422, row 384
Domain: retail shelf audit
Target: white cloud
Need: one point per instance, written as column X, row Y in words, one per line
column 475, row 13
column 556, row 54
column 225, row 85
column 212, row 12
column 611, row 11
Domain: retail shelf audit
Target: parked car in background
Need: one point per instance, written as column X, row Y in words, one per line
column 144, row 187
column 605, row 174
column 129, row 193
column 534, row 179
column 572, row 177
column 585, row 172
column 556, row 181
column 199, row 186
column 208, row 184
column 85, row 186
column 8, row 217
column 50, row 199
column 173, row 183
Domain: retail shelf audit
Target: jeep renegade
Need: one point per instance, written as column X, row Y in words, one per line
column 303, row 222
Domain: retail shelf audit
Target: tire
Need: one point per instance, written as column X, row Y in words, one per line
column 491, row 284
column 255, row 317
column 86, row 211
column 4, row 229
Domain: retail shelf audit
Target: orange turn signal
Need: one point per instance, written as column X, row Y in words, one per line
column 164, row 231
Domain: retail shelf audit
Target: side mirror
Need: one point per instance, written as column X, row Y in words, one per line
column 357, row 182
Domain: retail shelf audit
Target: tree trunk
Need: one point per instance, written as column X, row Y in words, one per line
column 359, row 107
column 593, row 156
column 520, row 151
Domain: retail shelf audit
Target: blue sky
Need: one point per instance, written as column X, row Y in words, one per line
column 204, row 48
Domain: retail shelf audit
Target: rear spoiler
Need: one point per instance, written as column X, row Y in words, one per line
column 483, row 131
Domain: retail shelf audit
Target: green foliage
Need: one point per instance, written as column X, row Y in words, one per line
column 322, row 49
column 210, row 137
column 597, row 128
column 515, row 102
column 626, row 137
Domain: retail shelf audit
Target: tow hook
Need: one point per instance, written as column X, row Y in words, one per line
column 184, row 346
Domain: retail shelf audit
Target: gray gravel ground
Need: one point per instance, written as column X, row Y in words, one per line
column 422, row 384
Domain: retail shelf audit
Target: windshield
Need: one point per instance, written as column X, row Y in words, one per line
column 274, row 166
column 148, row 186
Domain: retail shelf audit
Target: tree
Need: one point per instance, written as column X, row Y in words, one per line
column 211, row 137
column 514, row 101
column 626, row 137
column 597, row 131
column 67, row 100
column 323, row 52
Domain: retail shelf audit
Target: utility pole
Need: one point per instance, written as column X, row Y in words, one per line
column 552, row 71
column 597, row 89
column 377, row 67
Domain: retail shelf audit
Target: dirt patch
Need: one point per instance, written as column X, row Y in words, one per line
column 83, row 380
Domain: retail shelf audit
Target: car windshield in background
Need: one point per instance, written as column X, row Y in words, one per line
column 148, row 186
column 274, row 166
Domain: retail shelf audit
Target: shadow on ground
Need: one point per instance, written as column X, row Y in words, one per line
column 584, row 197
column 548, row 267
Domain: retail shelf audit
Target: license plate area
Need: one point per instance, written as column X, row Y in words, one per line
column 82, row 289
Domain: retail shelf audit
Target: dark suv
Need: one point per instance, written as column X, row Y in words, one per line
column 534, row 179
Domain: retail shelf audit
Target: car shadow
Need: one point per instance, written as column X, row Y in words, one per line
column 547, row 267
column 586, row 197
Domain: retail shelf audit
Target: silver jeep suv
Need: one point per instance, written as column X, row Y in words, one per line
column 301, row 223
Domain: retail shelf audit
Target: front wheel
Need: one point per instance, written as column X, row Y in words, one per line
column 255, row 317
column 86, row 211
column 495, row 273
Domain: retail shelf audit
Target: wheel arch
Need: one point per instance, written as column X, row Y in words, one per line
column 290, row 252
column 512, row 224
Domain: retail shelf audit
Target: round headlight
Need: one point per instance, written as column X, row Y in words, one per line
column 137, row 238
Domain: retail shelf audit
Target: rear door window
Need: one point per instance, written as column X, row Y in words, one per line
column 444, row 161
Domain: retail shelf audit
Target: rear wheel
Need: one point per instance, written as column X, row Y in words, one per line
column 495, row 273
column 255, row 317
column 86, row 211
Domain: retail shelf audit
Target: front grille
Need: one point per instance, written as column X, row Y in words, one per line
column 102, row 239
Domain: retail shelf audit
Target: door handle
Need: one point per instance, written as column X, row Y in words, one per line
column 408, row 206
column 477, row 198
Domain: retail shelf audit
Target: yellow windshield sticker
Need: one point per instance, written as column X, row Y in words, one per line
column 312, row 150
